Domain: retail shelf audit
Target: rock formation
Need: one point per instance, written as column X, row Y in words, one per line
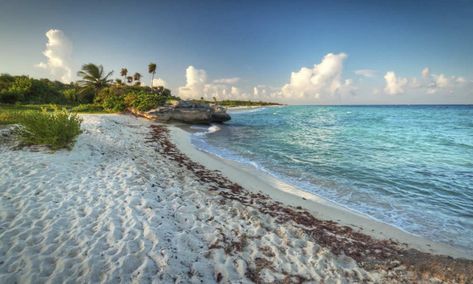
column 188, row 112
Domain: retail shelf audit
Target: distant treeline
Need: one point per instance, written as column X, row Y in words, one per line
column 23, row 89
column 237, row 103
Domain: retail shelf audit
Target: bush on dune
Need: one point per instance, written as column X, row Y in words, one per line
column 88, row 108
column 118, row 98
column 7, row 118
column 144, row 101
column 56, row 129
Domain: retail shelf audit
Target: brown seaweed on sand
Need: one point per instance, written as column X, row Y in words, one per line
column 372, row 254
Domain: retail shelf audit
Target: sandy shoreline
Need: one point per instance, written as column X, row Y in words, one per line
column 258, row 181
column 128, row 205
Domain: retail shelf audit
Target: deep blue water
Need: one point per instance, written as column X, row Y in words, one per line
column 409, row 166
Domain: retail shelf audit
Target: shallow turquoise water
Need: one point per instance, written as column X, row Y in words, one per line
column 409, row 166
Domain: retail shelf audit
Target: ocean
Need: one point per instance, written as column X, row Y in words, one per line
column 408, row 166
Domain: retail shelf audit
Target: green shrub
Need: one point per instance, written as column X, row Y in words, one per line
column 114, row 103
column 8, row 117
column 111, row 98
column 71, row 95
column 88, row 108
column 86, row 96
column 29, row 90
column 144, row 101
column 6, row 81
column 9, row 97
column 56, row 129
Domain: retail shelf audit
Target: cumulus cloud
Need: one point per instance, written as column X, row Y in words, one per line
column 158, row 82
column 431, row 83
column 197, row 86
column 394, row 84
column 426, row 72
column 58, row 53
column 369, row 73
column 232, row 80
column 441, row 81
column 306, row 85
column 195, row 83
column 322, row 83
column 322, row 79
column 235, row 91
column 437, row 82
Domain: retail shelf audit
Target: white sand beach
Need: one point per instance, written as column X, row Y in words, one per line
column 125, row 206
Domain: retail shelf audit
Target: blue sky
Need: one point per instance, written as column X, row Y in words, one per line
column 257, row 44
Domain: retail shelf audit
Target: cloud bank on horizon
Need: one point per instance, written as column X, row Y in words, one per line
column 58, row 53
column 429, row 83
column 320, row 82
column 312, row 84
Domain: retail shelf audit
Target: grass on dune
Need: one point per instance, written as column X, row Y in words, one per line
column 55, row 129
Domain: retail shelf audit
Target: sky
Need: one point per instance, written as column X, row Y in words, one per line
column 295, row 52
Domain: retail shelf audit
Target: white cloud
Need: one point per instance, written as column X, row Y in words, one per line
column 266, row 93
column 436, row 82
column 232, row 80
column 431, row 83
column 323, row 79
column 157, row 82
column 197, row 86
column 394, row 85
column 195, row 83
column 322, row 83
column 441, row 81
column 369, row 73
column 235, row 91
column 58, row 52
column 414, row 83
column 426, row 72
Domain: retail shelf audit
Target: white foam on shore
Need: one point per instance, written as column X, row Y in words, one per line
column 114, row 210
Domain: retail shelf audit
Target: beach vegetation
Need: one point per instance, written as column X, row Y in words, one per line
column 152, row 71
column 26, row 90
column 93, row 78
column 124, row 73
column 129, row 79
column 89, row 108
column 144, row 101
column 56, row 128
column 118, row 98
column 137, row 76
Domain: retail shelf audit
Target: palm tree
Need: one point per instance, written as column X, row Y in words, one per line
column 123, row 73
column 152, row 71
column 137, row 76
column 93, row 77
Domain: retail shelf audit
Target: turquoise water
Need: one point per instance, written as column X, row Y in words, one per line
column 409, row 166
